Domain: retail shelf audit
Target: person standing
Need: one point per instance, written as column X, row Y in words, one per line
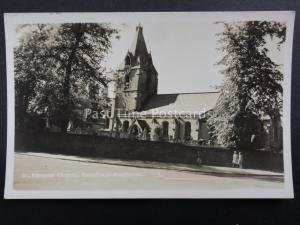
column 241, row 159
column 199, row 160
column 235, row 159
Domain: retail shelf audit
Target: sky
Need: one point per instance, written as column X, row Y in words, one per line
column 184, row 54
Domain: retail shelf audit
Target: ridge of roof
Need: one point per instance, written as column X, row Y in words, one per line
column 181, row 102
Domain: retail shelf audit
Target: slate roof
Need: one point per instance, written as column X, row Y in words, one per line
column 185, row 102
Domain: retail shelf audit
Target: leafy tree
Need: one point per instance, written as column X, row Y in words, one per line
column 252, row 82
column 29, row 71
column 58, row 66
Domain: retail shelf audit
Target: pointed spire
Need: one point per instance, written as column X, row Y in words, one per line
column 138, row 46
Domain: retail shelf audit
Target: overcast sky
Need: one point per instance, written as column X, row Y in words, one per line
column 184, row 54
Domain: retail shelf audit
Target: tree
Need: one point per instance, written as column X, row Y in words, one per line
column 252, row 82
column 29, row 71
column 59, row 65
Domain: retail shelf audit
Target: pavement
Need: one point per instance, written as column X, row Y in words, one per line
column 47, row 172
column 207, row 170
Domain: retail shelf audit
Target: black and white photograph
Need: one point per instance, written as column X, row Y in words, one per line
column 149, row 105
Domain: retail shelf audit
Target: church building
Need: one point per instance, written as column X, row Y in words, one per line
column 139, row 112
column 137, row 109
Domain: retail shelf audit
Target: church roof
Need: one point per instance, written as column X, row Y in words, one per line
column 184, row 103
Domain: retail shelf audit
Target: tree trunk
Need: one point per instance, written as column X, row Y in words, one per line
column 67, row 109
column 67, row 104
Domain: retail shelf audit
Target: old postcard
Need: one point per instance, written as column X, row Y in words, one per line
column 149, row 105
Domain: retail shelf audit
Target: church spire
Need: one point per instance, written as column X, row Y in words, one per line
column 138, row 47
column 137, row 77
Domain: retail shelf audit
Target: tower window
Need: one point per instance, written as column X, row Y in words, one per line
column 127, row 61
column 126, row 79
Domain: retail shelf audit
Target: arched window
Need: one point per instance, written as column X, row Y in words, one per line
column 125, row 126
column 165, row 126
column 187, row 129
column 127, row 61
column 126, row 79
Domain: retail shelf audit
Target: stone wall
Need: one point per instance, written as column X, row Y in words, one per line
column 100, row 146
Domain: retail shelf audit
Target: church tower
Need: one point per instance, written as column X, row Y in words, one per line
column 136, row 78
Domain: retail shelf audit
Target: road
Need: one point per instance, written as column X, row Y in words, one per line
column 40, row 173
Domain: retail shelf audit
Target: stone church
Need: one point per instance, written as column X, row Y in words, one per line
column 137, row 109
column 139, row 112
